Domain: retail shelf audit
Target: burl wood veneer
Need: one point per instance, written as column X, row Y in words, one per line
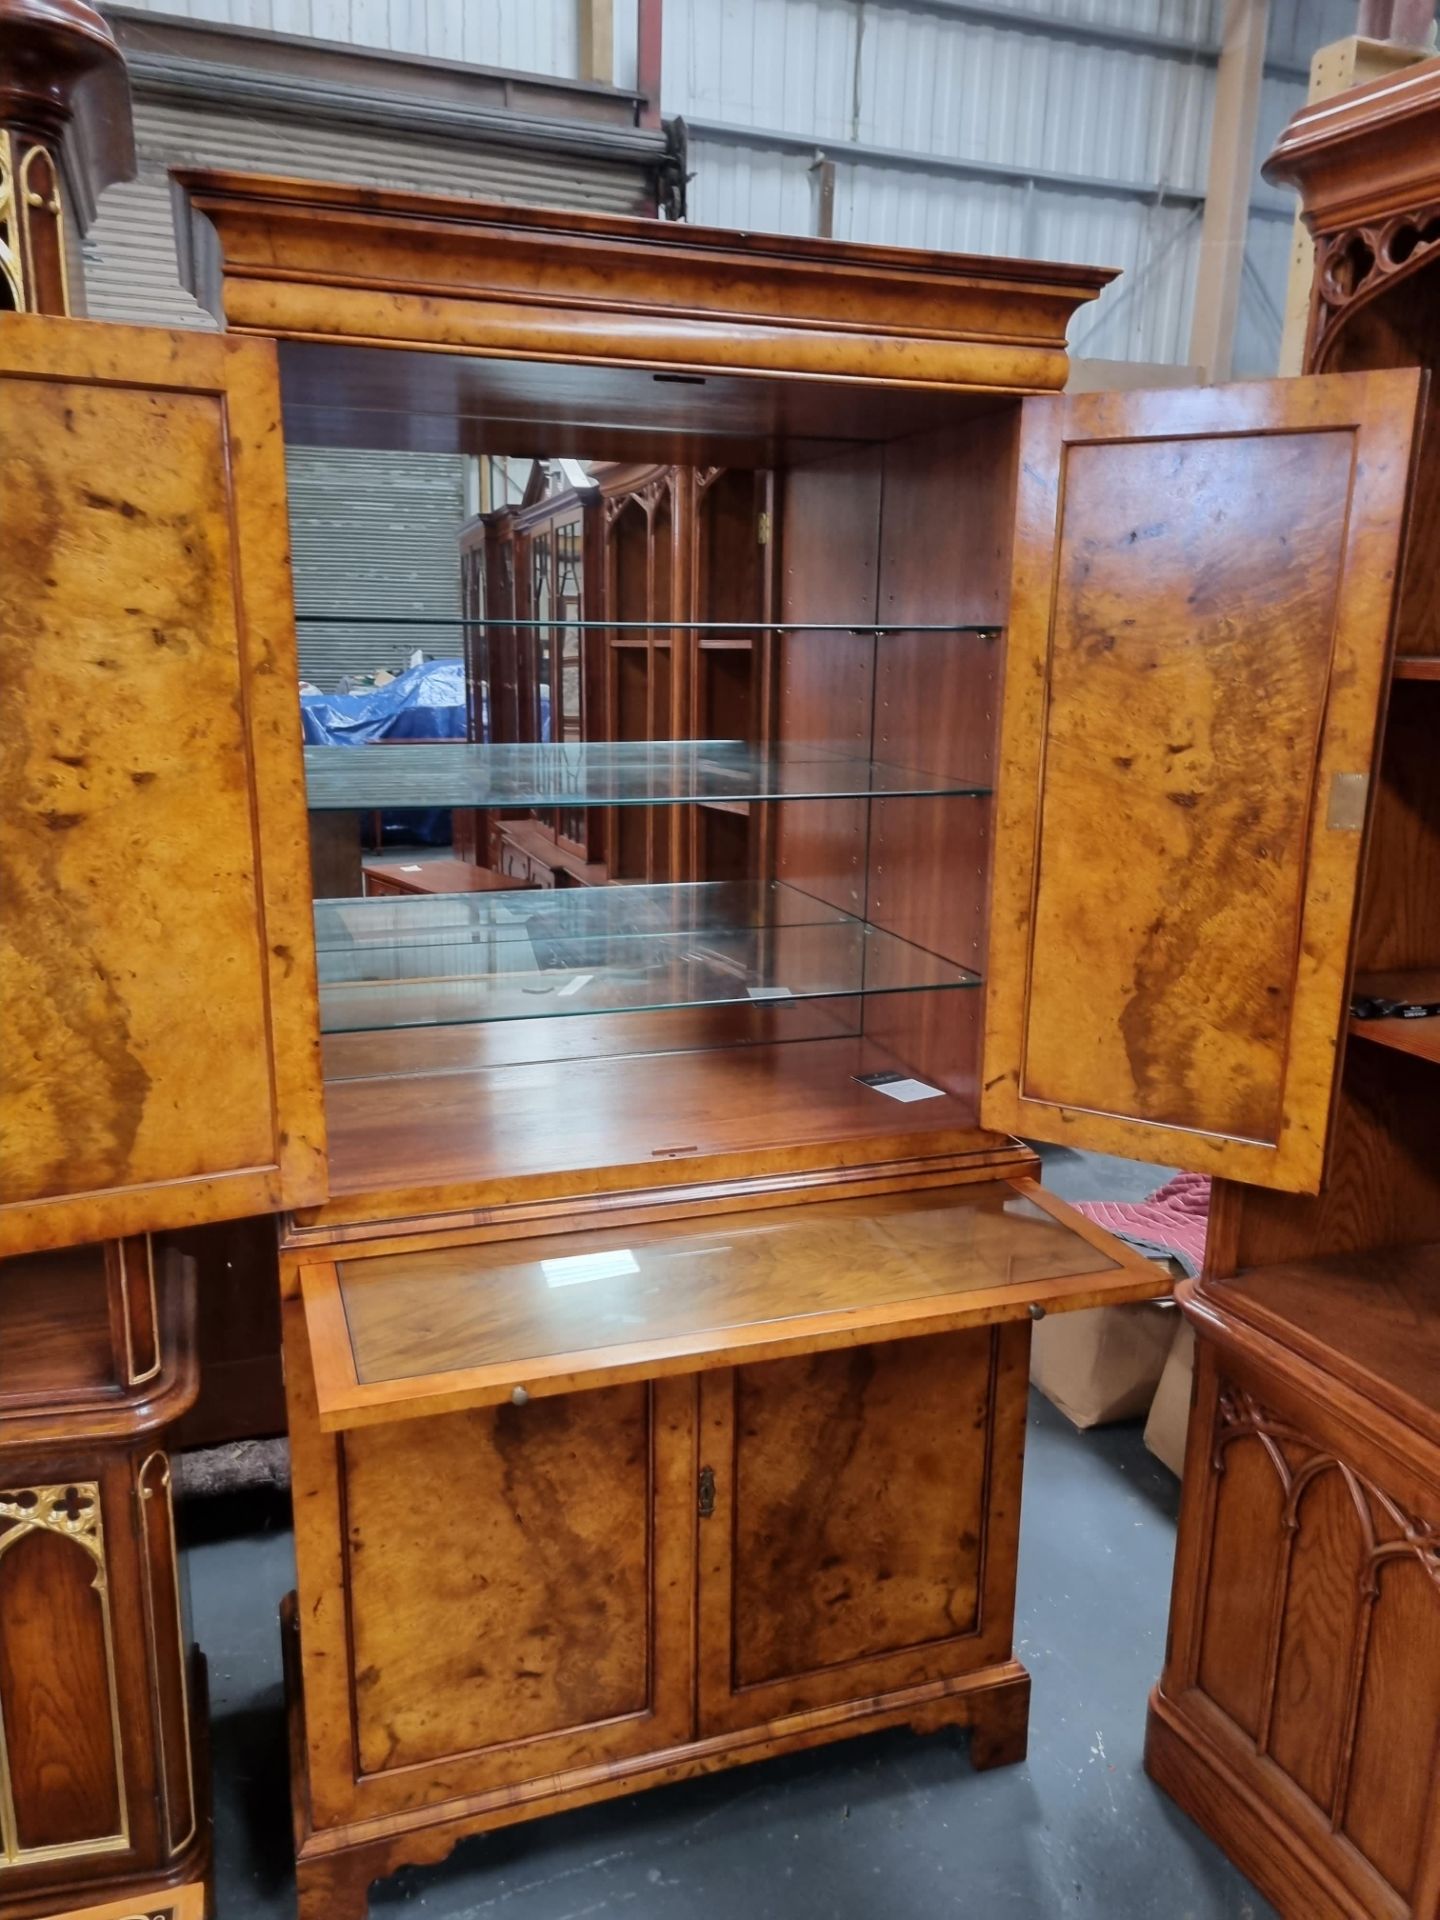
column 705, row 1521
column 159, row 1061
column 1197, row 654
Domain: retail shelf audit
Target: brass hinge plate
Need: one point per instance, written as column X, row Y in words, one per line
column 1348, row 794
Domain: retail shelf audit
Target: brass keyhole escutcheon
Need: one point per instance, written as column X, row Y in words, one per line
column 707, row 1492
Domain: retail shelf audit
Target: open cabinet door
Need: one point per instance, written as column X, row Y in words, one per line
column 159, row 1045
column 1197, row 655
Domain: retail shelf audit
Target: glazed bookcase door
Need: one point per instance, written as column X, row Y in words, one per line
column 1200, row 633
column 159, row 1054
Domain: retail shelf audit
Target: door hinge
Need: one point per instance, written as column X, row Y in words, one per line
column 762, row 530
column 706, row 1502
column 1348, row 794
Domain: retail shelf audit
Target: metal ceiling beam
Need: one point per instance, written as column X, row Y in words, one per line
column 907, row 159
column 1088, row 33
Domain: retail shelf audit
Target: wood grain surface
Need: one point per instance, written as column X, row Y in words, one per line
column 56, row 1336
column 441, row 1660
column 56, row 1672
column 858, row 1518
column 1194, row 573
column 1383, row 1187
column 422, row 1331
column 160, row 1064
column 529, row 1619
column 1297, row 1715
column 484, row 1137
column 1371, row 1317
column 843, row 1560
column 307, row 259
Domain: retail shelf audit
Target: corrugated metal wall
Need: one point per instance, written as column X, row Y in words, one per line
column 1297, row 28
column 131, row 270
column 838, row 71
column 369, row 532
column 1107, row 141
column 373, row 533
column 527, row 36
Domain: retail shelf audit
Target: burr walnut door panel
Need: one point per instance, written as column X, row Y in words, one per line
column 518, row 1585
column 1200, row 626
column 859, row 1512
column 159, row 1057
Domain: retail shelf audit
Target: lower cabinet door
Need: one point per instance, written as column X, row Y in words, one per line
column 517, row 1582
column 859, row 1511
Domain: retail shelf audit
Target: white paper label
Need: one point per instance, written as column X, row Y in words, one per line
column 574, row 986
column 770, row 993
column 906, row 1090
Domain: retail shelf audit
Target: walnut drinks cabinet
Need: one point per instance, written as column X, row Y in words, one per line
column 656, row 1378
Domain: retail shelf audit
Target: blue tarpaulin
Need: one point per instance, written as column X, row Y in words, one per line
column 423, row 703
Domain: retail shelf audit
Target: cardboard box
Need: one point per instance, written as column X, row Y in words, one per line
column 1170, row 1412
column 1104, row 1363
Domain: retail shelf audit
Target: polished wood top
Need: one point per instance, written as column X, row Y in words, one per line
column 427, row 1330
column 404, row 1144
column 440, row 876
column 1372, row 1319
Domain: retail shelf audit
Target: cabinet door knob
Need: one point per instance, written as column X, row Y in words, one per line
column 1037, row 1312
column 519, row 1397
column 706, row 1501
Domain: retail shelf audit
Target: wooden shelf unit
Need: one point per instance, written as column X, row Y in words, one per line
column 1296, row 1719
column 1419, row 1037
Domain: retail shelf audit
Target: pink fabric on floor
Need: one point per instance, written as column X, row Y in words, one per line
column 1174, row 1218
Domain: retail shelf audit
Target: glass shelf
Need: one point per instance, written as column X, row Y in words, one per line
column 602, row 773
column 453, row 959
column 558, row 619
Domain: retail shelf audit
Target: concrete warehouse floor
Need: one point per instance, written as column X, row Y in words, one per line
column 879, row 1826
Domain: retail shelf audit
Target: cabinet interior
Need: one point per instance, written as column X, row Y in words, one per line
column 732, row 714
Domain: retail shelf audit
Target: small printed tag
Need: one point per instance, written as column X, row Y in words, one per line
column 899, row 1086
column 574, row 986
column 414, row 869
column 770, row 993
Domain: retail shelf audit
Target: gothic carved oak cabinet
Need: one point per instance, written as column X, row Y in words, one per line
column 658, row 1257
column 1298, row 1716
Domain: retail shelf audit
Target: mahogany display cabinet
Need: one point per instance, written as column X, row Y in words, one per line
column 659, row 1258
column 1298, row 1716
